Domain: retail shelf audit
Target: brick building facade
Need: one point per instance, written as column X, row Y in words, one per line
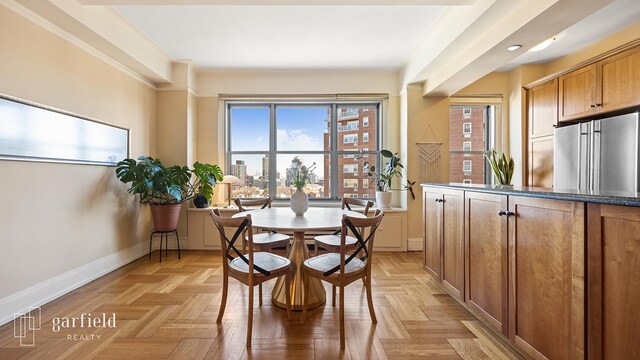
column 467, row 133
column 357, row 131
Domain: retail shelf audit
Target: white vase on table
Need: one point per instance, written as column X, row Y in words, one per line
column 299, row 202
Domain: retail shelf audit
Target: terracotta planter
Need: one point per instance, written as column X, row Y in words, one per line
column 165, row 217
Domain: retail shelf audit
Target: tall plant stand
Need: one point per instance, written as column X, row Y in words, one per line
column 164, row 235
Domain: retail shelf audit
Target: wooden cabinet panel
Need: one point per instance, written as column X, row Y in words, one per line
column 432, row 230
column 543, row 108
column 389, row 233
column 614, row 282
column 541, row 162
column 619, row 81
column 546, row 277
column 453, row 243
column 486, row 258
column 577, row 93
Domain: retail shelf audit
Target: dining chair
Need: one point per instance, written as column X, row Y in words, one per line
column 341, row 269
column 265, row 266
column 265, row 241
column 331, row 242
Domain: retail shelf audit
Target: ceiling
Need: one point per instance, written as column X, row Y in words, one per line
column 611, row 18
column 278, row 37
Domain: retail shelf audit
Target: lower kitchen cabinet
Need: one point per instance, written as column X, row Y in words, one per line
column 613, row 299
column 546, row 277
column 486, row 258
column 444, row 238
column 391, row 232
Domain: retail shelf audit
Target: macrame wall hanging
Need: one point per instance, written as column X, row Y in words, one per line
column 429, row 158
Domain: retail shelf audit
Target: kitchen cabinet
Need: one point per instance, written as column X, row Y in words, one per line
column 613, row 275
column 607, row 85
column 546, row 277
column 391, row 232
column 486, row 258
column 542, row 103
column 619, row 81
column 577, row 93
column 541, row 161
column 444, row 238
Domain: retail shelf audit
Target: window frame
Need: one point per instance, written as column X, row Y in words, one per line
column 333, row 153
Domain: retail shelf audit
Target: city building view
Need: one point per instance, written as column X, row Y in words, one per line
column 467, row 143
column 303, row 137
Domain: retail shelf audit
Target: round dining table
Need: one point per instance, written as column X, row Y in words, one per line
column 282, row 219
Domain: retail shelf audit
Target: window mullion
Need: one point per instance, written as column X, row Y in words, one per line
column 333, row 154
column 273, row 186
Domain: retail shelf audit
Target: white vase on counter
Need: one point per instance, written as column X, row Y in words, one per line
column 299, row 202
column 383, row 199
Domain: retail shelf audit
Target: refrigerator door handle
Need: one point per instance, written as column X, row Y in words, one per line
column 595, row 155
column 584, row 160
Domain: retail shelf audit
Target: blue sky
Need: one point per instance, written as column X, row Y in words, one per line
column 298, row 129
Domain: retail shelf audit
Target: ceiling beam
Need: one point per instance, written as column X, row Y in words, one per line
column 284, row 2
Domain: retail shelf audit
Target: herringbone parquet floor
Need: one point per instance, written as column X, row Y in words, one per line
column 167, row 311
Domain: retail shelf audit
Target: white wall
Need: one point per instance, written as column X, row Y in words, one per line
column 62, row 223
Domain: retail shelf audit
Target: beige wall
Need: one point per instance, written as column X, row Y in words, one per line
column 60, row 217
column 427, row 120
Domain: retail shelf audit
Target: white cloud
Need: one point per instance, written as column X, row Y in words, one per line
column 298, row 140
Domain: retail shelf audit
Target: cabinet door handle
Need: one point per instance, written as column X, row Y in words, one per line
column 598, row 105
column 593, row 105
column 502, row 213
column 439, row 200
column 510, row 213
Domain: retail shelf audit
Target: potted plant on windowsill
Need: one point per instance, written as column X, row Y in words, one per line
column 383, row 178
column 166, row 188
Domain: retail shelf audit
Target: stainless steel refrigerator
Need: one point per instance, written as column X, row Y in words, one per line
column 599, row 155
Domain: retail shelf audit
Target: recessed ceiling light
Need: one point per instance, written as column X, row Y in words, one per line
column 549, row 41
column 514, row 47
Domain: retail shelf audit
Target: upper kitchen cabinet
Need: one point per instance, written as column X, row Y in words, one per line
column 619, row 81
column 577, row 93
column 607, row 85
column 543, row 108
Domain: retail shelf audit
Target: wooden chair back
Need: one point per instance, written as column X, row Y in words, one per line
column 242, row 204
column 364, row 245
column 347, row 202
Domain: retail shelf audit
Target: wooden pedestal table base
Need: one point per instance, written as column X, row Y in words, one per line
column 298, row 253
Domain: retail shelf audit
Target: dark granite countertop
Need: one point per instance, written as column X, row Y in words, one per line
column 600, row 197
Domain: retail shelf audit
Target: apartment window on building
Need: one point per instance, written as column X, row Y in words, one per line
column 466, row 129
column 350, row 168
column 365, row 121
column 266, row 140
column 365, row 183
column 365, row 137
column 350, row 183
column 350, row 139
column 467, row 147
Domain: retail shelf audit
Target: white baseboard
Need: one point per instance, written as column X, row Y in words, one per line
column 414, row 244
column 55, row 287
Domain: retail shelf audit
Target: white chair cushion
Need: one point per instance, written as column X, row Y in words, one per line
column 265, row 260
column 328, row 261
column 266, row 238
column 334, row 240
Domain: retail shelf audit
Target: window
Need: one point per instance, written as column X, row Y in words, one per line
column 467, row 147
column 350, row 183
column 265, row 140
column 365, row 183
column 466, row 166
column 350, row 139
column 466, row 129
column 347, row 195
column 350, row 168
column 466, row 181
column 365, row 120
column 365, row 137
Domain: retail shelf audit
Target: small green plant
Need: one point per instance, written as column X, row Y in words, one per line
column 502, row 166
column 391, row 169
column 300, row 174
column 160, row 185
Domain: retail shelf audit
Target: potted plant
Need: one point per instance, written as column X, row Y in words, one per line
column 502, row 166
column 383, row 178
column 300, row 177
column 166, row 188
